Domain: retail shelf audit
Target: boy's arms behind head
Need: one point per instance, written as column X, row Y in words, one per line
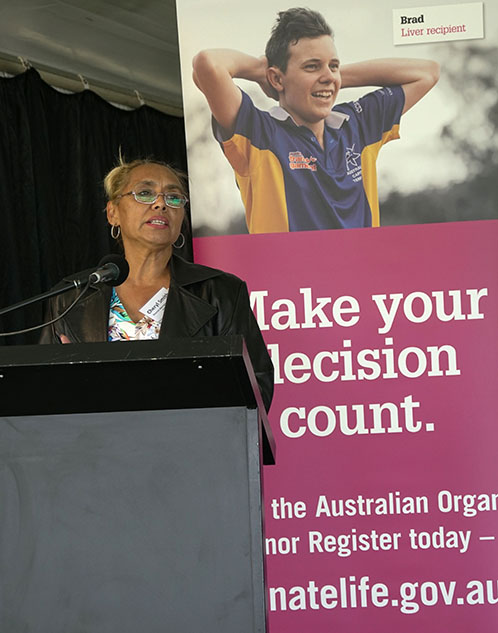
column 415, row 76
column 214, row 71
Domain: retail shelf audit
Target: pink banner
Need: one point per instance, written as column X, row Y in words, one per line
column 381, row 513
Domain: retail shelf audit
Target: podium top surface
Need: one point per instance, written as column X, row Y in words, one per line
column 131, row 376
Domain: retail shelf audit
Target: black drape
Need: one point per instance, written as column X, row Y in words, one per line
column 55, row 150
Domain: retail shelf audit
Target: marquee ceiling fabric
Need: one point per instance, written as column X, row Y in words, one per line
column 125, row 45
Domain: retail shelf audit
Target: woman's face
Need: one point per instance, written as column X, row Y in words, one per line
column 154, row 225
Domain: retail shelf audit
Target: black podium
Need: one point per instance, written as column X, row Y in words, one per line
column 130, row 488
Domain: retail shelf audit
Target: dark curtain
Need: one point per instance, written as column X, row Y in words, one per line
column 55, row 150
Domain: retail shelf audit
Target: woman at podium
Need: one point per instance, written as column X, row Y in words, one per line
column 163, row 294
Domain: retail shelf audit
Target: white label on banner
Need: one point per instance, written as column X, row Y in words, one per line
column 443, row 23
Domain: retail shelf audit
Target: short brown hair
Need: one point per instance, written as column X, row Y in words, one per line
column 291, row 26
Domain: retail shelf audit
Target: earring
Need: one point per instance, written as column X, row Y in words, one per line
column 115, row 234
column 183, row 242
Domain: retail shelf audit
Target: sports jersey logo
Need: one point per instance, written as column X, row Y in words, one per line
column 353, row 163
column 298, row 161
column 357, row 107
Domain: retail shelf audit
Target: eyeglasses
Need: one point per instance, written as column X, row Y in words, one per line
column 171, row 199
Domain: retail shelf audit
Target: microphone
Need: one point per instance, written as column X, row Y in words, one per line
column 112, row 271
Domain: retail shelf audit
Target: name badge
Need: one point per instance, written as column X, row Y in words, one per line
column 154, row 307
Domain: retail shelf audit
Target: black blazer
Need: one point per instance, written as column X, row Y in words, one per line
column 202, row 301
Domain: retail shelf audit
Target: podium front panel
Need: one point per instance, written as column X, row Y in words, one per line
column 131, row 521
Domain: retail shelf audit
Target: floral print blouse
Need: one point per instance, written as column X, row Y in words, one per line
column 122, row 328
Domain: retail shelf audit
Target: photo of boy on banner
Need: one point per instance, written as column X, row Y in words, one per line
column 309, row 163
column 441, row 171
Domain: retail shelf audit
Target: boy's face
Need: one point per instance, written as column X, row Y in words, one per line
column 309, row 86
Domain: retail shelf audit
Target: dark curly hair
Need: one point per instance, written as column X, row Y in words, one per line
column 290, row 27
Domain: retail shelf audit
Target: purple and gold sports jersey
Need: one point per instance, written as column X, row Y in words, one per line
column 289, row 183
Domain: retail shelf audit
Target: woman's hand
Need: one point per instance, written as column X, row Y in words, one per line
column 64, row 338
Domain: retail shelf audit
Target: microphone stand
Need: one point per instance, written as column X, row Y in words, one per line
column 112, row 268
column 44, row 295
